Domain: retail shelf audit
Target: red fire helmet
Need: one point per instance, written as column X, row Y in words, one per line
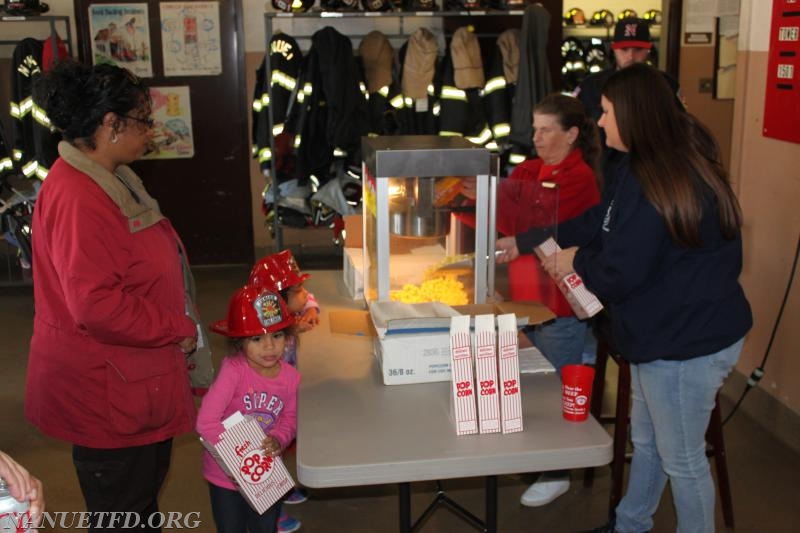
column 277, row 272
column 254, row 311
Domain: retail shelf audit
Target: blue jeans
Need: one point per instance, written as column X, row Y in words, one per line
column 671, row 406
column 561, row 341
column 232, row 513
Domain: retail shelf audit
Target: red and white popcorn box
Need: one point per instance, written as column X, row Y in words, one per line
column 462, row 397
column 486, row 374
column 261, row 479
column 583, row 302
column 508, row 364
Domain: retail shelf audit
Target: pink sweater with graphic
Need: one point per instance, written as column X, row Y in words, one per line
column 237, row 387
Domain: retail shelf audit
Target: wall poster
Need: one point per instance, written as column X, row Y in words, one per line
column 190, row 38
column 120, row 36
column 172, row 112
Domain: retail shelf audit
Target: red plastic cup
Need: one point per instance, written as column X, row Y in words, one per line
column 576, row 388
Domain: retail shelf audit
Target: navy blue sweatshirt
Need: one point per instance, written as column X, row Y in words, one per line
column 665, row 301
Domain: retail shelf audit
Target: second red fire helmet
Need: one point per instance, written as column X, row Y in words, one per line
column 277, row 272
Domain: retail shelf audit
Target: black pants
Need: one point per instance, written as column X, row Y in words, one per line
column 232, row 513
column 123, row 480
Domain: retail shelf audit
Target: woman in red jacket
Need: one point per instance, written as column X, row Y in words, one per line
column 107, row 369
column 567, row 149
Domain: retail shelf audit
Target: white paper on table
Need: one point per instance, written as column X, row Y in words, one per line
column 532, row 361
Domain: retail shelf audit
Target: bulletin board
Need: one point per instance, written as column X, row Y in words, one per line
column 782, row 102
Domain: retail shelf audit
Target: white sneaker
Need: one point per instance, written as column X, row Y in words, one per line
column 544, row 491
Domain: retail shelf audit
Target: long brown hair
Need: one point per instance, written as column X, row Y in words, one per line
column 569, row 112
column 674, row 157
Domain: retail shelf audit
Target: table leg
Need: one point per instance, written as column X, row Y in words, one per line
column 491, row 504
column 405, row 507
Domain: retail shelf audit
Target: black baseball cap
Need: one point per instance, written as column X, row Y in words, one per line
column 632, row 33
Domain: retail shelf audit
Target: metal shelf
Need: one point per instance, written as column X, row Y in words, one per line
column 52, row 20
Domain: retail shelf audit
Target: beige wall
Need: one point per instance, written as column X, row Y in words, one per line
column 766, row 173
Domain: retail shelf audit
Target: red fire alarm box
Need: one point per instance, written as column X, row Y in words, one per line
column 782, row 106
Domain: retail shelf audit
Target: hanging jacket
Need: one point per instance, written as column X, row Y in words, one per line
column 534, row 81
column 501, row 81
column 285, row 60
column 376, row 58
column 333, row 114
column 35, row 141
column 416, row 105
column 461, row 104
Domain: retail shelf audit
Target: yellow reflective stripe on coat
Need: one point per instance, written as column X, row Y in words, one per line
column 284, row 80
column 453, row 93
column 501, row 130
column 494, row 84
column 482, row 137
column 265, row 154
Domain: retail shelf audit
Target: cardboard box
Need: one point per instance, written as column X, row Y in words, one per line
column 486, row 386
column 413, row 344
column 353, row 272
column 584, row 304
column 261, row 479
column 508, row 357
column 462, row 384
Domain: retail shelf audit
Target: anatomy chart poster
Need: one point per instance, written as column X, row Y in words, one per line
column 172, row 128
column 120, row 36
column 190, row 38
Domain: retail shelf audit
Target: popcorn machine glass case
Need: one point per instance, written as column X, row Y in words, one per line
column 417, row 248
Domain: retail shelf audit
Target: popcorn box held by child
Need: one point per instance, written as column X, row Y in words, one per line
column 261, row 479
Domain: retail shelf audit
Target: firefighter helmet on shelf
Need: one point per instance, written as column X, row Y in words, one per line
column 459, row 5
column 292, row 6
column 377, row 5
column 571, row 49
column 339, row 5
column 596, row 57
column 574, row 17
column 254, row 311
column 505, row 5
column 627, row 14
column 418, row 5
column 653, row 16
column 24, row 7
column 602, row 17
column 277, row 272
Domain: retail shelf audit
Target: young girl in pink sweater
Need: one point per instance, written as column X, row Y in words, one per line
column 255, row 381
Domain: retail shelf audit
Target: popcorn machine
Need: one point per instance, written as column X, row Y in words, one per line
column 417, row 246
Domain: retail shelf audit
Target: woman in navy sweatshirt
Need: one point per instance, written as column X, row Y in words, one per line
column 663, row 251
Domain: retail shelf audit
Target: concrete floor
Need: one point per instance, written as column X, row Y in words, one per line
column 763, row 471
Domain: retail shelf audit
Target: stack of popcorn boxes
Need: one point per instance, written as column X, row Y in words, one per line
column 485, row 374
column 261, row 479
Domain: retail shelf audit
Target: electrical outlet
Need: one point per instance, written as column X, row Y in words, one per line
column 705, row 85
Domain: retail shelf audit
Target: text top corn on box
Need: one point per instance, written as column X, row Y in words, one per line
column 412, row 341
column 486, row 387
column 508, row 365
column 462, row 384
